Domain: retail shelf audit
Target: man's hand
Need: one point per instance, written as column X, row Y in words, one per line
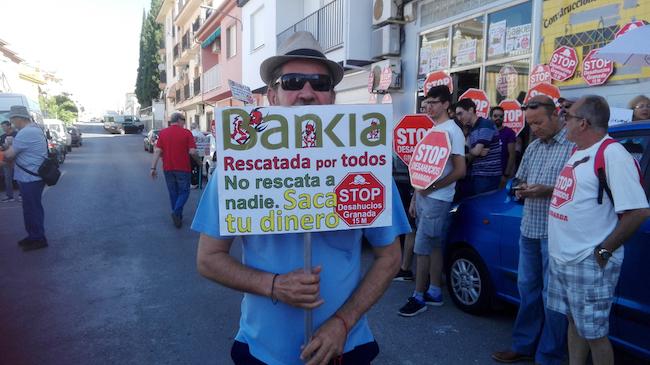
column 602, row 263
column 412, row 210
column 326, row 344
column 299, row 289
column 533, row 191
column 153, row 174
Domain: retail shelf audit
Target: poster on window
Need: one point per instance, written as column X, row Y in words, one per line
column 518, row 39
column 438, row 59
column 497, row 38
column 425, row 55
column 466, row 51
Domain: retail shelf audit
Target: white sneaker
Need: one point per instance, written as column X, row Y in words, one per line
column 7, row 200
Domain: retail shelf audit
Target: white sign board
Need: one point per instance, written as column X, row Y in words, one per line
column 241, row 92
column 619, row 116
column 202, row 145
column 303, row 169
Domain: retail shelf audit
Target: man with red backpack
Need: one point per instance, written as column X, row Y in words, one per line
column 587, row 230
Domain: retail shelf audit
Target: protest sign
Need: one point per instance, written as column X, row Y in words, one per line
column 202, row 145
column 303, row 169
column 429, row 159
column 408, row 132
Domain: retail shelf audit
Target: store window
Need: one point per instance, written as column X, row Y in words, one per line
column 467, row 42
column 434, row 52
column 509, row 32
column 507, row 81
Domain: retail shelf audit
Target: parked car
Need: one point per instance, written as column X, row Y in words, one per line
column 75, row 135
column 482, row 253
column 62, row 131
column 127, row 124
column 56, row 146
column 110, row 125
column 150, row 140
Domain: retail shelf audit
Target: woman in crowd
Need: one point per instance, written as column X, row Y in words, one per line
column 641, row 107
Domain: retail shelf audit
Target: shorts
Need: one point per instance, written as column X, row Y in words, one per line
column 584, row 292
column 432, row 223
column 406, row 193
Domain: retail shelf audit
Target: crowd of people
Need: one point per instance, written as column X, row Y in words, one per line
column 557, row 263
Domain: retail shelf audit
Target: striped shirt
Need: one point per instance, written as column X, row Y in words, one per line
column 541, row 164
column 485, row 132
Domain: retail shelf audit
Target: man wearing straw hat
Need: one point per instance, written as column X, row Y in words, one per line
column 276, row 288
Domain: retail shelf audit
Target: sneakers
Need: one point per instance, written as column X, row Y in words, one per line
column 31, row 245
column 509, row 356
column 178, row 222
column 7, row 200
column 431, row 300
column 404, row 275
column 412, row 308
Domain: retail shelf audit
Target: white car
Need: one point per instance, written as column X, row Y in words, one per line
column 58, row 126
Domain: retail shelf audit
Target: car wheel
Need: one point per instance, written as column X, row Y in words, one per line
column 468, row 282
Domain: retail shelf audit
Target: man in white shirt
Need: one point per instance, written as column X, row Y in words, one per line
column 586, row 236
column 430, row 208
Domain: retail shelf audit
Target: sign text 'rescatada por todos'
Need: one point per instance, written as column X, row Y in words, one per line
column 282, row 169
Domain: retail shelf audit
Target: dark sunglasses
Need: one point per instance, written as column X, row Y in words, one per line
column 535, row 104
column 296, row 82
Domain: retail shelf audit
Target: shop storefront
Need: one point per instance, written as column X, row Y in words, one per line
column 490, row 50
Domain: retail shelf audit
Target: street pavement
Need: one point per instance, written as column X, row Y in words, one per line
column 118, row 283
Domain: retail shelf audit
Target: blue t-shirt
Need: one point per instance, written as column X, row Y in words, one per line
column 275, row 332
column 31, row 151
column 486, row 133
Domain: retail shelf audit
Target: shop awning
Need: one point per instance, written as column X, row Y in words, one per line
column 211, row 38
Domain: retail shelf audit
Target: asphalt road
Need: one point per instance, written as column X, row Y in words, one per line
column 118, row 283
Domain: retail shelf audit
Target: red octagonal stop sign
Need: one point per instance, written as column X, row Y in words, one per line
column 565, row 187
column 628, row 27
column 543, row 89
column 429, row 159
column 360, row 199
column 513, row 116
column 541, row 73
column 480, row 98
column 563, row 63
column 408, row 132
column 438, row 78
column 596, row 71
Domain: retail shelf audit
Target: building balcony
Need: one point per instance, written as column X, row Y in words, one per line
column 161, row 48
column 197, row 86
column 212, row 79
column 185, row 11
column 189, row 48
column 326, row 24
column 178, row 99
column 176, row 52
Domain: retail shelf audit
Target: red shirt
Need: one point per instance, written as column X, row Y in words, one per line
column 175, row 143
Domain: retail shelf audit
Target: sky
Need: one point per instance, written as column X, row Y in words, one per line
column 93, row 45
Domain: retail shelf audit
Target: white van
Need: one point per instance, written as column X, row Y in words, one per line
column 59, row 127
column 8, row 99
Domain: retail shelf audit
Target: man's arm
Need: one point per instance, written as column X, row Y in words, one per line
column 10, row 153
column 628, row 223
column 459, row 169
column 478, row 150
column 296, row 288
column 329, row 339
column 195, row 155
column 154, row 165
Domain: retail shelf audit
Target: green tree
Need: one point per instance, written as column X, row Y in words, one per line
column 59, row 107
column 146, row 86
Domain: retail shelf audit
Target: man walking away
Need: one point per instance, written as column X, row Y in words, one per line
column 29, row 150
column 175, row 143
column 584, row 268
column 8, row 168
column 538, row 333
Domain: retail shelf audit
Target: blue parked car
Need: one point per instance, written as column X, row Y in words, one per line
column 483, row 249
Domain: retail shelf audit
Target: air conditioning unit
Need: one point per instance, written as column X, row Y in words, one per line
column 384, row 10
column 409, row 11
column 377, row 69
column 385, row 41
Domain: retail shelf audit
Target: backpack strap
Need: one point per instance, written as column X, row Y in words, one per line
column 599, row 170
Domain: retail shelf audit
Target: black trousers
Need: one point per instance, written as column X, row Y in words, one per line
column 360, row 355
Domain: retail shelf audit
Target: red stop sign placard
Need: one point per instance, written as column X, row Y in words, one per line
column 540, row 74
column 513, row 116
column 563, row 63
column 565, row 187
column 429, row 159
column 628, row 27
column 438, row 78
column 543, row 89
column 481, row 100
column 408, row 132
column 360, row 199
column 507, row 80
column 596, row 71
